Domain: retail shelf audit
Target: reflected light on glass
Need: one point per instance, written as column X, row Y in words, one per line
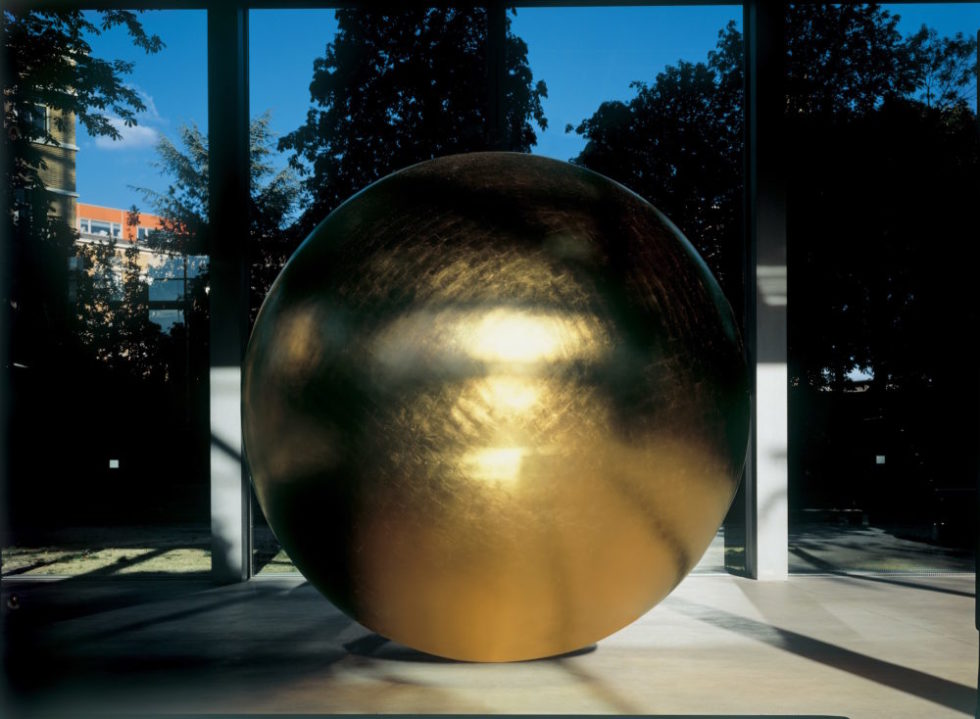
column 504, row 335
column 509, row 394
column 494, row 464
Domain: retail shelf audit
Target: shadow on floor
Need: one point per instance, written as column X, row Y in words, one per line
column 941, row 691
column 374, row 646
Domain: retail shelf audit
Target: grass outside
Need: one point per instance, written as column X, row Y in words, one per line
column 267, row 556
column 107, row 551
column 185, row 551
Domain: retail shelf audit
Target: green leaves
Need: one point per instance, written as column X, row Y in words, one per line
column 50, row 63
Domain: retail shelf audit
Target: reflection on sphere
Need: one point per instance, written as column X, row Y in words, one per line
column 495, row 407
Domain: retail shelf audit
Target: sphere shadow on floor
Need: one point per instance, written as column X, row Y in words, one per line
column 375, row 646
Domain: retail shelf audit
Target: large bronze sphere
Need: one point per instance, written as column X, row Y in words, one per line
column 495, row 407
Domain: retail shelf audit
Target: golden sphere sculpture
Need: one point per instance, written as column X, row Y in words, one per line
column 495, row 407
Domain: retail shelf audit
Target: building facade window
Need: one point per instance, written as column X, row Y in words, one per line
column 102, row 228
column 39, row 121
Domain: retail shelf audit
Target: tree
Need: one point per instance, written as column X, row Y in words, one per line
column 878, row 207
column 111, row 310
column 843, row 59
column 678, row 143
column 140, row 343
column 891, row 110
column 877, row 124
column 95, row 292
column 48, row 63
column 273, row 202
column 943, row 68
column 183, row 207
column 396, row 88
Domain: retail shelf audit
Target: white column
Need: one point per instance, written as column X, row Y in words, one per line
column 767, row 480
column 228, row 158
column 771, row 475
column 229, row 496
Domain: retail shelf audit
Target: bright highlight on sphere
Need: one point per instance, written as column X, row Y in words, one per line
column 495, row 407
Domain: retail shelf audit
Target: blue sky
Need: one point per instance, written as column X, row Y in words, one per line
column 173, row 84
column 585, row 55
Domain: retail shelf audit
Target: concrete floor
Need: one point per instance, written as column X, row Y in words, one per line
column 882, row 646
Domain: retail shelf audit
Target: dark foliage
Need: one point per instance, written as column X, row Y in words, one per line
column 396, row 88
column 679, row 144
column 882, row 164
column 184, row 204
column 48, row 63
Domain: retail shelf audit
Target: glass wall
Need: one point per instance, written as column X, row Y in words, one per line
column 367, row 93
column 652, row 98
column 279, row 98
column 105, row 181
column 883, row 175
column 648, row 96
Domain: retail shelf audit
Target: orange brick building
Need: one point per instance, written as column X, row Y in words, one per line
column 166, row 273
column 95, row 222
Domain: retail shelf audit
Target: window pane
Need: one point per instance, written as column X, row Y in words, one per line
column 882, row 184
column 651, row 97
column 166, row 319
column 167, row 290
column 102, row 229
column 415, row 89
column 382, row 120
column 109, row 446
column 279, row 86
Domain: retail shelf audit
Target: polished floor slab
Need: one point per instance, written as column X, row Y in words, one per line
column 852, row 646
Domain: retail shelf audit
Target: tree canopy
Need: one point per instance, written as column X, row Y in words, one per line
column 48, row 62
column 875, row 124
column 396, row 88
column 183, row 206
column 678, row 143
column 882, row 160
